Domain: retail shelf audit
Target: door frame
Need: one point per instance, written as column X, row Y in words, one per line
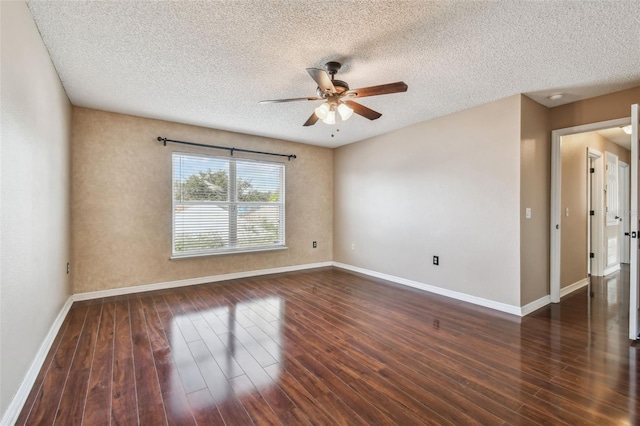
column 634, row 279
column 556, row 200
column 624, row 190
column 595, row 224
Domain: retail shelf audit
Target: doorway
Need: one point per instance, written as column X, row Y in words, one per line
column 558, row 212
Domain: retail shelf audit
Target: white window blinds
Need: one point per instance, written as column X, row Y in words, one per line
column 223, row 205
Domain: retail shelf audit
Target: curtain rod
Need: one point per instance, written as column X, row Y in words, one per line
column 165, row 140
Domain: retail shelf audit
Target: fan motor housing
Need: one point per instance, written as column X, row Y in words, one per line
column 341, row 87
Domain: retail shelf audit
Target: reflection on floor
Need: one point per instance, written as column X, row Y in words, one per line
column 609, row 299
column 207, row 343
column 327, row 346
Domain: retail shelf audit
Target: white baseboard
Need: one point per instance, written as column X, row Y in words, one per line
column 193, row 281
column 498, row 306
column 535, row 305
column 611, row 270
column 15, row 406
column 573, row 287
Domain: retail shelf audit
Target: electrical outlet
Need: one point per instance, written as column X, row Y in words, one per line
column 315, row 244
column 436, row 260
column 68, row 267
column 353, row 246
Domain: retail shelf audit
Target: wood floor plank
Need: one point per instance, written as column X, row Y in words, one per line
column 175, row 400
column 302, row 399
column 124, row 402
column 322, row 394
column 327, row 346
column 176, row 404
column 71, row 408
column 365, row 408
column 257, row 408
column 150, row 404
column 72, row 401
column 204, row 408
column 98, row 405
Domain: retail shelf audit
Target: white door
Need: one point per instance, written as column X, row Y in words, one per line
column 634, row 281
column 612, row 212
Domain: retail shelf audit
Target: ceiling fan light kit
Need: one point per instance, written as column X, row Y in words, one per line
column 337, row 96
column 327, row 112
column 344, row 111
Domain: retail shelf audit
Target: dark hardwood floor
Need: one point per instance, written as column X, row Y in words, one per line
column 331, row 347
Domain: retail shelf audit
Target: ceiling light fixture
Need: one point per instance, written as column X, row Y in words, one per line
column 327, row 112
column 322, row 111
column 556, row 96
column 331, row 116
column 626, row 129
column 345, row 111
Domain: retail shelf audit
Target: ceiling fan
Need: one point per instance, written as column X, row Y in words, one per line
column 337, row 96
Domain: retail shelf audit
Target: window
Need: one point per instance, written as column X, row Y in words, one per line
column 226, row 205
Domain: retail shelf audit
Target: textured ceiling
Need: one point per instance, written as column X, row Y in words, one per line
column 210, row 63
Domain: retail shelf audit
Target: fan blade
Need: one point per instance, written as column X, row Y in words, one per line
column 363, row 110
column 312, row 120
column 383, row 89
column 277, row 101
column 322, row 79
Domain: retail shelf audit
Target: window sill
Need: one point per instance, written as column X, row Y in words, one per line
column 223, row 253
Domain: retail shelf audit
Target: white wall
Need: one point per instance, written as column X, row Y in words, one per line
column 448, row 187
column 34, row 196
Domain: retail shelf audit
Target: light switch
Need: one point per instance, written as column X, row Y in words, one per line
column 566, row 212
column 527, row 213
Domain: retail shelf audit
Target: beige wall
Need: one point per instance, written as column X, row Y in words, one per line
column 535, row 183
column 34, row 190
column 573, row 267
column 593, row 110
column 121, row 202
column 448, row 187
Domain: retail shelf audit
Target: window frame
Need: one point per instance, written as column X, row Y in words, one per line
column 233, row 204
